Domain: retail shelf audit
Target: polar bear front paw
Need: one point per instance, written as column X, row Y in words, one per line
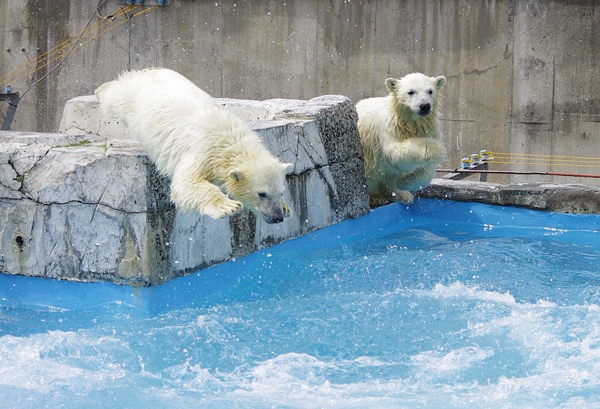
column 287, row 210
column 436, row 151
column 226, row 208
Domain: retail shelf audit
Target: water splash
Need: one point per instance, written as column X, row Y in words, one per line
column 396, row 320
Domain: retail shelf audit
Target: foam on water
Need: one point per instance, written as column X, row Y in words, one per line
column 446, row 347
column 427, row 314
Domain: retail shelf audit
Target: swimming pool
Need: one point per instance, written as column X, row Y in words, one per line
column 438, row 305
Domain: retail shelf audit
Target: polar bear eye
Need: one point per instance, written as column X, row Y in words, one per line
column 262, row 195
column 430, row 91
column 411, row 92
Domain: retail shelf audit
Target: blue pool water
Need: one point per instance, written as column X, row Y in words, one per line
column 438, row 305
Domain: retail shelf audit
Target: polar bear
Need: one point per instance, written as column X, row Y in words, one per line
column 401, row 137
column 216, row 163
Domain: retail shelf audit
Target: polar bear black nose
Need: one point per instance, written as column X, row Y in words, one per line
column 275, row 217
column 425, row 108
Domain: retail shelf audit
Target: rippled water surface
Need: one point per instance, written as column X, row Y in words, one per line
column 442, row 305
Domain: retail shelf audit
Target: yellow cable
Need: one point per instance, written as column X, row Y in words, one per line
column 62, row 45
column 82, row 44
column 541, row 156
column 597, row 161
column 545, row 164
column 117, row 14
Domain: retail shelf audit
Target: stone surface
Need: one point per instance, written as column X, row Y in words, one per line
column 82, row 115
column 573, row 198
column 92, row 207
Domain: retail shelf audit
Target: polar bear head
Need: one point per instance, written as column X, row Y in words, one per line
column 415, row 93
column 260, row 188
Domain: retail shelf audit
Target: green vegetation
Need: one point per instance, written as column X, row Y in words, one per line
column 80, row 143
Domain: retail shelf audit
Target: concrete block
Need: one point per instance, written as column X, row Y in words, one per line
column 572, row 198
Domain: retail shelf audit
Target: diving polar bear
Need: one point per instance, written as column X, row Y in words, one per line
column 216, row 163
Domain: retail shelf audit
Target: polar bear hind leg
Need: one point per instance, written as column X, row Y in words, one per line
column 403, row 196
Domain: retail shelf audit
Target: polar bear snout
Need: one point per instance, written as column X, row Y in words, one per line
column 274, row 217
column 272, row 211
column 424, row 109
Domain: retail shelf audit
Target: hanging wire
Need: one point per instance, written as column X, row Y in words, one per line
column 80, row 45
column 547, row 164
column 544, row 160
column 11, row 75
column 75, row 44
column 100, row 4
column 531, row 160
column 540, row 156
column 516, row 172
column 61, row 47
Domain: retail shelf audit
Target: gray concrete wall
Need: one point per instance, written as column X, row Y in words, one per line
column 521, row 74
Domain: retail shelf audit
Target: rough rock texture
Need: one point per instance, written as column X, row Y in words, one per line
column 92, row 207
column 82, row 115
column 538, row 196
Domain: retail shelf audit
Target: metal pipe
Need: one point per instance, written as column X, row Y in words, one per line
column 13, row 100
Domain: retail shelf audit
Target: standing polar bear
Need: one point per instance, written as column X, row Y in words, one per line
column 401, row 138
column 216, row 163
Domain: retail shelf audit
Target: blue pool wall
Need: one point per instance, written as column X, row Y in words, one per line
column 41, row 294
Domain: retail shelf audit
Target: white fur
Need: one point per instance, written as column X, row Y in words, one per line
column 401, row 137
column 206, row 150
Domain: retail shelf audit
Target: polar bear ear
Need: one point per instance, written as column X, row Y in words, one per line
column 440, row 81
column 236, row 175
column 287, row 168
column 392, row 84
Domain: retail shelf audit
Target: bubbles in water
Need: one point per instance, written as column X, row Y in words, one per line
column 460, row 317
